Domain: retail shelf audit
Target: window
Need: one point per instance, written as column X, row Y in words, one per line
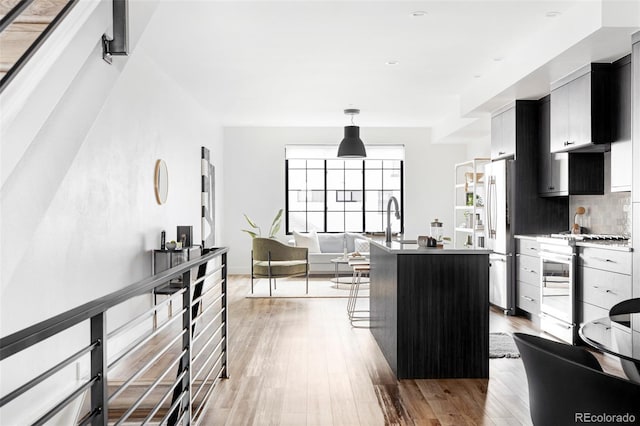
column 327, row 194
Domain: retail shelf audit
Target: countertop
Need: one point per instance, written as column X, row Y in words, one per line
column 411, row 248
column 609, row 245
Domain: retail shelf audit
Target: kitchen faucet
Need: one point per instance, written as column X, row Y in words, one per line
column 387, row 232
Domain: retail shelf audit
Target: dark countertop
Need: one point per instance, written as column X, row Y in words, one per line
column 411, row 248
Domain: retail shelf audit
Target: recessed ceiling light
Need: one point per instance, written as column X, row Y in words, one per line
column 552, row 14
column 418, row 13
column 498, row 58
column 392, row 63
column 477, row 75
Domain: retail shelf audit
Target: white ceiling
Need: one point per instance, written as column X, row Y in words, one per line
column 300, row 63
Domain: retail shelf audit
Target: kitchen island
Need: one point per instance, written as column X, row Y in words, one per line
column 430, row 310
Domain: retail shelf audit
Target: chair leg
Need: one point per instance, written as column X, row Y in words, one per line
column 307, row 281
column 251, row 271
column 269, row 269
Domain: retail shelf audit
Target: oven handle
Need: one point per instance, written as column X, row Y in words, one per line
column 556, row 257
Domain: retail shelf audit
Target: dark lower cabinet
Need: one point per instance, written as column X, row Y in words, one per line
column 430, row 313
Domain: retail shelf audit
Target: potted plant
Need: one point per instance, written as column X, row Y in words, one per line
column 275, row 226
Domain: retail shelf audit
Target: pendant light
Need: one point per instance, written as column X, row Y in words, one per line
column 351, row 146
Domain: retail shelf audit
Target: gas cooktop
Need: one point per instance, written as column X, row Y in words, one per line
column 590, row 237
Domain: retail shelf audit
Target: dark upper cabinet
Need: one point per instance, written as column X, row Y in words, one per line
column 561, row 174
column 621, row 153
column 531, row 213
column 581, row 116
column 503, row 133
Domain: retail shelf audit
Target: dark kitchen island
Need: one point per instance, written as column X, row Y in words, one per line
column 430, row 310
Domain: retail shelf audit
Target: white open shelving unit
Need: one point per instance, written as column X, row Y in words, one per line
column 469, row 214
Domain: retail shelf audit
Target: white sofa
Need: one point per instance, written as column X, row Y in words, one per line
column 329, row 246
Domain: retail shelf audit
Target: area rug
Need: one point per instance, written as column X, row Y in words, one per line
column 501, row 345
column 295, row 288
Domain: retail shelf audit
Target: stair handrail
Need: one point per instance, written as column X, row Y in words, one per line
column 95, row 312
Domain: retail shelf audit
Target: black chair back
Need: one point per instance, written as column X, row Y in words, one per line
column 567, row 385
column 630, row 306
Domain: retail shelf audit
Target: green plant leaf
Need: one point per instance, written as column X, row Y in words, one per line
column 251, row 223
column 275, row 225
column 253, row 234
column 274, row 230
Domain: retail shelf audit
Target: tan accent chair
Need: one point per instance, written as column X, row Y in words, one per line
column 272, row 259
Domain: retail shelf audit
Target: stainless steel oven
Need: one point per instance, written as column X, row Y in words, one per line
column 557, row 290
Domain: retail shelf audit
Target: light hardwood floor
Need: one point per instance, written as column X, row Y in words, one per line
column 299, row 362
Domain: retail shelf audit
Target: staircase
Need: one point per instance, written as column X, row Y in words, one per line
column 16, row 39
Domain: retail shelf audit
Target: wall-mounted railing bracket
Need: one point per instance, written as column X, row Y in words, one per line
column 119, row 44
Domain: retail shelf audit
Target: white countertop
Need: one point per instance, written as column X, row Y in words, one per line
column 398, row 248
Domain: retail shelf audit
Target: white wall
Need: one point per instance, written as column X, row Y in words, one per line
column 255, row 177
column 79, row 215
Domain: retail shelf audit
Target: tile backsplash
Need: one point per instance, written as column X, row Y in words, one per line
column 606, row 214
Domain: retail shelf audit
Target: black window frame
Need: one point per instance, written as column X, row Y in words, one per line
column 363, row 189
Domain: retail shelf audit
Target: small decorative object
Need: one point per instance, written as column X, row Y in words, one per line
column 163, row 236
column 479, row 201
column 436, row 229
column 469, row 242
column 185, row 235
column 178, row 245
column 427, row 242
column 171, row 245
column 469, row 201
column 468, row 220
column 275, row 226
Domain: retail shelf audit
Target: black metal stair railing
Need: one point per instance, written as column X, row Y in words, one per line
column 165, row 374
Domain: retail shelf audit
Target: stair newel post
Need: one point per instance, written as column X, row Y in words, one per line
column 223, row 301
column 99, row 394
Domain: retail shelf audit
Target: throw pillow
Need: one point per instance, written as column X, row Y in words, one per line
column 308, row 240
column 351, row 237
column 332, row 243
column 362, row 246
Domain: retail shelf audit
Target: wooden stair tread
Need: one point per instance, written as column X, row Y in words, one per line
column 40, row 11
column 15, row 40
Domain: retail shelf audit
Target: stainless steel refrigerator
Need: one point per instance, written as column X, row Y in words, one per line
column 499, row 237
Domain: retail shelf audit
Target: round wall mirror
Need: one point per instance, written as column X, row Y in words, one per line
column 161, row 182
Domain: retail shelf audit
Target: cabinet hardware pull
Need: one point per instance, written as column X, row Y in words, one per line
column 501, row 152
column 528, row 298
column 602, row 259
column 606, row 290
column 552, row 188
column 567, row 143
column 599, row 323
column 533, row 248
